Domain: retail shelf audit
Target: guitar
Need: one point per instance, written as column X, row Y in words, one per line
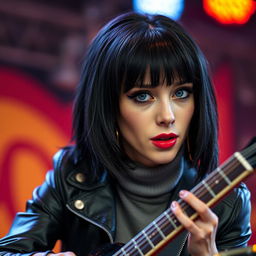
column 210, row 190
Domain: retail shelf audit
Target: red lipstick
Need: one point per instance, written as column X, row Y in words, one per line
column 165, row 140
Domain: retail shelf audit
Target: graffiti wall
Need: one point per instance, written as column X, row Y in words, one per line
column 34, row 125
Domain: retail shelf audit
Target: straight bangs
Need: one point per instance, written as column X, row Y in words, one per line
column 121, row 55
column 167, row 60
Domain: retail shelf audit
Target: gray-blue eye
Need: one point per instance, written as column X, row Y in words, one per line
column 181, row 93
column 142, row 97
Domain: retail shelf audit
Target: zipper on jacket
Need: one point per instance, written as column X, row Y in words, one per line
column 93, row 222
column 182, row 245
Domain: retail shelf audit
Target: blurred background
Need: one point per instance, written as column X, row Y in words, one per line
column 42, row 44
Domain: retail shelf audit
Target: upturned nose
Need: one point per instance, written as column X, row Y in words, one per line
column 165, row 115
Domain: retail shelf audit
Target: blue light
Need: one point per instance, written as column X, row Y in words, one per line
column 170, row 8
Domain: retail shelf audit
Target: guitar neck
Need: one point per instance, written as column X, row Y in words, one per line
column 166, row 226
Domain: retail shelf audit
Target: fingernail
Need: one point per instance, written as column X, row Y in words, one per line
column 174, row 205
column 183, row 193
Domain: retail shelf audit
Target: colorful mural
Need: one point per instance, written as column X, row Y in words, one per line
column 34, row 125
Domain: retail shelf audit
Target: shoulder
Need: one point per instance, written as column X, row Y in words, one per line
column 238, row 198
column 64, row 158
column 234, row 212
column 75, row 171
column 65, row 162
column 68, row 179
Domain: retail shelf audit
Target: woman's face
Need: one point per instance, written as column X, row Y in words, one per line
column 154, row 122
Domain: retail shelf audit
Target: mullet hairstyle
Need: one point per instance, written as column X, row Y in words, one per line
column 116, row 61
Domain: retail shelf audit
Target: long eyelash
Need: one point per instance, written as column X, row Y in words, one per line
column 186, row 88
column 135, row 94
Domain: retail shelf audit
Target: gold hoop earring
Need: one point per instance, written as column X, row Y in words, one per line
column 117, row 136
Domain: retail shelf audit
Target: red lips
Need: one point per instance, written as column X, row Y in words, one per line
column 165, row 140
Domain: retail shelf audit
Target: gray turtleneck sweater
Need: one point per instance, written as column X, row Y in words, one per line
column 143, row 193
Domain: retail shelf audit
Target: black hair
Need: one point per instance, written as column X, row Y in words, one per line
column 116, row 61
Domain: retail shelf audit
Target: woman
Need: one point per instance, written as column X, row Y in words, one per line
column 145, row 131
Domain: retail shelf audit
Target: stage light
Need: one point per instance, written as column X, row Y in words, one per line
column 170, row 8
column 230, row 11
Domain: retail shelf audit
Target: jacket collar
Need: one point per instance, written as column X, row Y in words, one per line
column 95, row 201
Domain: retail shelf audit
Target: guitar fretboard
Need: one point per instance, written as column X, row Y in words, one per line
column 210, row 190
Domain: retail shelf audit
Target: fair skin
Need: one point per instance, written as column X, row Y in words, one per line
column 148, row 112
column 202, row 232
column 145, row 113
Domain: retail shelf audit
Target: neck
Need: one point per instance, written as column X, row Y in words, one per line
column 151, row 181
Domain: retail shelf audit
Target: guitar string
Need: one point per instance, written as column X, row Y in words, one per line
column 140, row 238
column 250, row 148
column 162, row 221
column 132, row 250
column 211, row 179
column 199, row 190
column 138, row 241
column 140, row 234
column 247, row 152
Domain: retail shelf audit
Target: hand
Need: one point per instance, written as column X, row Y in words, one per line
column 201, row 240
column 55, row 254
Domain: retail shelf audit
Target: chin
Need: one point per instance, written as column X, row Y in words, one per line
column 167, row 157
column 158, row 160
column 164, row 161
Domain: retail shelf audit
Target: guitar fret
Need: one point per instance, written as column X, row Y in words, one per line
column 208, row 188
column 124, row 252
column 159, row 230
column 148, row 239
column 170, row 220
column 225, row 177
column 137, row 247
column 164, row 228
column 243, row 161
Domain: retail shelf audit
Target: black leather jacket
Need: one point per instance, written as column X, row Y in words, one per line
column 69, row 207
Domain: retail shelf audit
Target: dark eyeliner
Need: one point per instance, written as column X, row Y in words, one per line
column 137, row 93
column 188, row 89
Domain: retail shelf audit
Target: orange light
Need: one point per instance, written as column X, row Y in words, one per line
column 230, row 11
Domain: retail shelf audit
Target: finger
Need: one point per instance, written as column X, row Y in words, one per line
column 184, row 219
column 199, row 206
column 68, row 253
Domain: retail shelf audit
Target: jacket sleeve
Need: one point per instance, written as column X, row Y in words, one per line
column 234, row 213
column 37, row 229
